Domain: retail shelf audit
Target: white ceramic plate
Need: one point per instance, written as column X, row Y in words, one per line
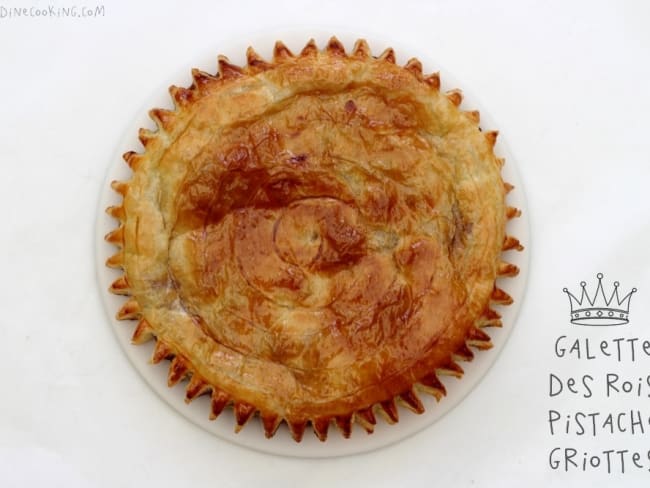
column 252, row 435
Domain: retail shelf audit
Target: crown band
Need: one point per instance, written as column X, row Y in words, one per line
column 599, row 316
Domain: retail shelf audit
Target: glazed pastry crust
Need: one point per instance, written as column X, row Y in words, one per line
column 313, row 237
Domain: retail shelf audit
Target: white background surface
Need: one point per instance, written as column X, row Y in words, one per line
column 565, row 83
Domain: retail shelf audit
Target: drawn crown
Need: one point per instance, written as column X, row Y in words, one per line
column 598, row 309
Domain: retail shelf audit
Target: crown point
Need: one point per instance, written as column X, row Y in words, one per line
column 633, row 290
column 583, row 284
column 616, row 283
column 599, row 276
column 565, row 290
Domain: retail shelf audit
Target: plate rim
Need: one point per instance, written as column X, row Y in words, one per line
column 282, row 444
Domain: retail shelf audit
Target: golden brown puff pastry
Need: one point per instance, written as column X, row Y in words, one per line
column 314, row 237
